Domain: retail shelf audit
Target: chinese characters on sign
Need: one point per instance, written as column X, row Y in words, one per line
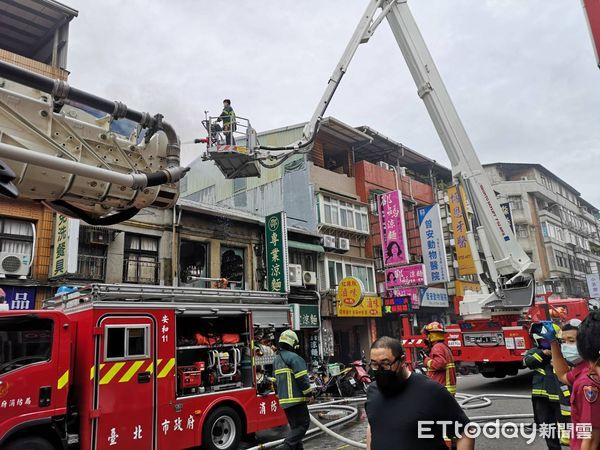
column 432, row 244
column 593, row 282
column 434, row 297
column 413, row 275
column 277, row 252
column 369, row 307
column 19, row 297
column 350, row 291
column 391, row 224
column 305, row 316
column 412, row 293
column 164, row 329
column 66, row 244
column 396, row 305
column 466, row 265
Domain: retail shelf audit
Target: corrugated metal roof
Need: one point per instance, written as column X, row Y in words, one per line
column 27, row 25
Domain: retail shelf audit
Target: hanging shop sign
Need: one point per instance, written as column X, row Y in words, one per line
column 370, row 306
column 392, row 228
column 464, row 257
column 66, row 246
column 411, row 292
column 507, row 210
column 398, row 277
column 432, row 244
column 350, row 291
column 397, row 305
column 305, row 316
column 434, row 297
column 19, row 297
column 277, row 252
column 593, row 282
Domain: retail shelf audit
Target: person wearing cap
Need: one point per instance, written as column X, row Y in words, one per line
column 228, row 118
column 545, row 388
column 293, row 388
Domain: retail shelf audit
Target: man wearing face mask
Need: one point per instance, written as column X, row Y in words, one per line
column 584, row 379
column 399, row 418
column 566, row 359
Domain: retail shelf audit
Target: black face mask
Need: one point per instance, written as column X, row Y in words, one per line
column 389, row 382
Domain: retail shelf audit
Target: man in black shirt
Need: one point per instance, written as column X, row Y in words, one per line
column 408, row 411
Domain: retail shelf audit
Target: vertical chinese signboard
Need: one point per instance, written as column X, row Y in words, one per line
column 393, row 234
column 432, row 243
column 66, row 246
column 593, row 282
column 466, row 265
column 277, row 252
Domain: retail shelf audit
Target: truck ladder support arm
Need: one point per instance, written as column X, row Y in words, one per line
column 508, row 254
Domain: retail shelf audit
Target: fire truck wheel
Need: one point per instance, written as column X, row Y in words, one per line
column 29, row 443
column 222, row 429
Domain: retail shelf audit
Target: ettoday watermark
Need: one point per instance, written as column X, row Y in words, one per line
column 505, row 430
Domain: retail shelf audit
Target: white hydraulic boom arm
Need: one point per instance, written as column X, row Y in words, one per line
column 511, row 276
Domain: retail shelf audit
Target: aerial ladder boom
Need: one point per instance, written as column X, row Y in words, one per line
column 509, row 275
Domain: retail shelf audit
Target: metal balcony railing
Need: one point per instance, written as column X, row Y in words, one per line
column 91, row 268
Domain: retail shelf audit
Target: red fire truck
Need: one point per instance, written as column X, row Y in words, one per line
column 138, row 368
column 495, row 347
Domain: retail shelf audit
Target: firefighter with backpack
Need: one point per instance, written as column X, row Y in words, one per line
column 293, row 388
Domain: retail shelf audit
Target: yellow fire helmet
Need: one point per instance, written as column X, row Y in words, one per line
column 290, row 338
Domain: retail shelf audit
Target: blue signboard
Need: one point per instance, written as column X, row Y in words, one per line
column 19, row 297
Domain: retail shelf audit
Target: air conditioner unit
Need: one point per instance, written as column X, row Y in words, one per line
column 15, row 264
column 383, row 165
column 402, row 171
column 98, row 237
column 295, row 272
column 343, row 244
column 310, row 278
column 328, row 241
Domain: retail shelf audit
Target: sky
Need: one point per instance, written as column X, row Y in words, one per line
column 522, row 74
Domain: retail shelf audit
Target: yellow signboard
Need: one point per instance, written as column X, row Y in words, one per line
column 466, row 265
column 461, row 286
column 369, row 307
column 350, row 291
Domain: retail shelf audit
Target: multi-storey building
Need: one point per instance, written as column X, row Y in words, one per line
column 554, row 224
column 330, row 192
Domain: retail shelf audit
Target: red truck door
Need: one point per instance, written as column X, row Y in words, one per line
column 125, row 386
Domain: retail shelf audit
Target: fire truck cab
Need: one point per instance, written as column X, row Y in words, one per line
column 137, row 367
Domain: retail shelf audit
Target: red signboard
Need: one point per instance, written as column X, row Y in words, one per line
column 592, row 10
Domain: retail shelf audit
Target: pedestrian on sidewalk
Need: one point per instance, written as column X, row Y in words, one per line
column 293, row 389
column 408, row 411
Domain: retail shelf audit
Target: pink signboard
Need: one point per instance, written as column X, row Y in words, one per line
column 401, row 277
column 391, row 225
column 410, row 292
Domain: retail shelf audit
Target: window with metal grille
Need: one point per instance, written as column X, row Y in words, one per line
column 140, row 259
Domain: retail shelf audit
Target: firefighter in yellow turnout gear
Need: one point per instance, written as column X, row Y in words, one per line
column 293, row 388
column 545, row 389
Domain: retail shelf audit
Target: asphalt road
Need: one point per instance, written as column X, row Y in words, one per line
column 471, row 384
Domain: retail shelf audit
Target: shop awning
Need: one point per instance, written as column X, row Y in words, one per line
column 305, row 246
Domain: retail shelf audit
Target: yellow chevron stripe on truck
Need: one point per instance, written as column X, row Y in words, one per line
column 125, row 371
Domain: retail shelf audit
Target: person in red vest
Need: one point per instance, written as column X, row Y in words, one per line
column 439, row 362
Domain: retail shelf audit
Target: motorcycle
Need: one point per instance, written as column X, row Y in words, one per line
column 358, row 377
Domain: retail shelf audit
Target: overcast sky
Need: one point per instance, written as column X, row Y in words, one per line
column 522, row 73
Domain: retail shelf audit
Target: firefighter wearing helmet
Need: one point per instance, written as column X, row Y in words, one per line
column 293, row 388
column 439, row 362
column 545, row 389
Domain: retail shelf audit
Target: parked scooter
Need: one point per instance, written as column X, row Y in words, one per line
column 359, row 376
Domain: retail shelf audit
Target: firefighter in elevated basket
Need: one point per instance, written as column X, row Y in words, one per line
column 293, row 388
column 439, row 362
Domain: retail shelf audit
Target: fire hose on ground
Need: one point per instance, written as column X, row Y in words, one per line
column 466, row 401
